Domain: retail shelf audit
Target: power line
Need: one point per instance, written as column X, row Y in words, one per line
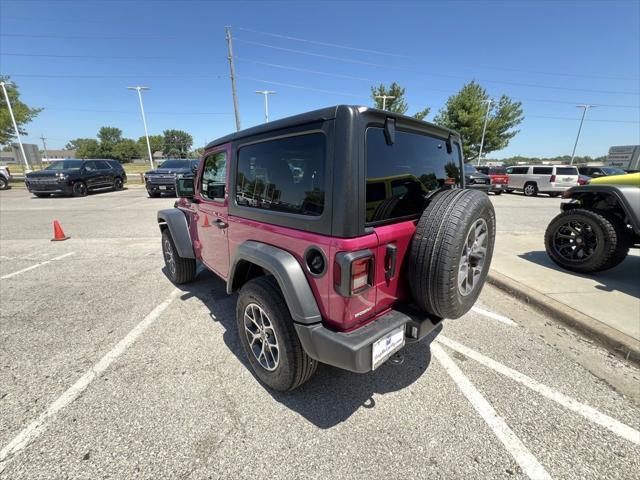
column 351, row 77
column 301, row 87
column 335, row 45
column 575, row 119
column 117, row 75
column 378, row 65
column 90, row 37
column 324, row 44
column 46, row 55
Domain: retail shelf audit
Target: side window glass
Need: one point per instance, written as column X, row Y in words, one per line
column 102, row 165
column 90, row 166
column 214, row 177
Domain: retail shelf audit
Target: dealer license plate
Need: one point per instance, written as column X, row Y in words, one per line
column 383, row 348
column 162, row 187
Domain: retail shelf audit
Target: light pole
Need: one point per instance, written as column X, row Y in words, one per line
column 144, row 121
column 484, row 128
column 584, row 112
column 384, row 100
column 266, row 94
column 27, row 169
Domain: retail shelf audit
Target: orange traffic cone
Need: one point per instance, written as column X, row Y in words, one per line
column 58, row 233
column 206, row 222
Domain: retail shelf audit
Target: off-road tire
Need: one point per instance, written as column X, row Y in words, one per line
column 183, row 270
column 530, row 189
column 611, row 235
column 79, row 189
column 4, row 184
column 385, row 208
column 436, row 251
column 294, row 366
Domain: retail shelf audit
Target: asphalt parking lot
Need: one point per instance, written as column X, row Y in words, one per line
column 108, row 371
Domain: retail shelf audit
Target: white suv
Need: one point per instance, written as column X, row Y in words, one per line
column 549, row 179
column 5, row 176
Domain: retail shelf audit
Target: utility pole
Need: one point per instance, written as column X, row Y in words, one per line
column 144, row 121
column 44, row 144
column 27, row 169
column 266, row 94
column 384, row 100
column 584, row 112
column 232, row 69
column 484, row 128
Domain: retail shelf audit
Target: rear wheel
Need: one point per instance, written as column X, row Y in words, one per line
column 586, row 241
column 3, row 183
column 451, row 252
column 530, row 189
column 179, row 269
column 79, row 189
column 268, row 337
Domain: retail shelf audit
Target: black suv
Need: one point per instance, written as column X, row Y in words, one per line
column 475, row 179
column 76, row 177
column 163, row 179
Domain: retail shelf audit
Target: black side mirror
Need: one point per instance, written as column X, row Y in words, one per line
column 185, row 187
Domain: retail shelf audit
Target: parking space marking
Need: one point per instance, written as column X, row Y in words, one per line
column 569, row 403
column 39, row 425
column 529, row 464
column 9, row 275
column 493, row 315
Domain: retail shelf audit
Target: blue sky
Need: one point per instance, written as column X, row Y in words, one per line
column 76, row 58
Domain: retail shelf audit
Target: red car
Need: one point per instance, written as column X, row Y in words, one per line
column 499, row 178
column 347, row 232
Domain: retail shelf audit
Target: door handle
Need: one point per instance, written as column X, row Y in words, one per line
column 220, row 224
column 390, row 260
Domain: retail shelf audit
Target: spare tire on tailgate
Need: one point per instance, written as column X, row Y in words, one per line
column 451, row 252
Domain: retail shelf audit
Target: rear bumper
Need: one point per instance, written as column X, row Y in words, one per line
column 555, row 188
column 353, row 350
column 479, row 186
column 498, row 187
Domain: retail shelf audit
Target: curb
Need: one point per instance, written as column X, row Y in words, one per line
column 615, row 341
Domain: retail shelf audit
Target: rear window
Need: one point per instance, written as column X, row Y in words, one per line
column 566, row 171
column 285, row 175
column 399, row 176
column 542, row 170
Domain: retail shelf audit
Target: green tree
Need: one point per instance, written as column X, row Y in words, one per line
column 397, row 104
column 87, row 148
column 109, row 137
column 465, row 112
column 75, row 143
column 125, row 150
column 177, row 143
column 21, row 111
column 156, row 142
column 197, row 153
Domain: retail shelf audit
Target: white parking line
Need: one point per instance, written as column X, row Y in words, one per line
column 493, row 315
column 39, row 425
column 9, row 275
column 586, row 411
column 529, row 464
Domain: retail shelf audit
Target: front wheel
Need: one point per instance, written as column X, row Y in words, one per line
column 117, row 183
column 268, row 337
column 3, row 183
column 79, row 189
column 179, row 269
column 586, row 241
column 530, row 190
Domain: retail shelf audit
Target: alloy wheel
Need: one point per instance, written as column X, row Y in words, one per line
column 169, row 257
column 575, row 240
column 473, row 257
column 261, row 336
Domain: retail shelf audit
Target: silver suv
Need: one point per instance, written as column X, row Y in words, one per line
column 549, row 179
column 5, row 176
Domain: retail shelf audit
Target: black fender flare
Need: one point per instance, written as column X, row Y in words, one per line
column 288, row 273
column 176, row 221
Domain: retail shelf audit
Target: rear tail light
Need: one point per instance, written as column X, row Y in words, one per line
column 353, row 272
column 552, row 179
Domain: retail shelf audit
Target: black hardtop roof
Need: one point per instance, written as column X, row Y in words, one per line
column 327, row 113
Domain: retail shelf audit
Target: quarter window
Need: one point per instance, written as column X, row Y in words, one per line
column 285, row 175
column 102, row 165
column 214, row 177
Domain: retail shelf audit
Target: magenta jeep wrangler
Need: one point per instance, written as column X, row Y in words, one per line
column 347, row 232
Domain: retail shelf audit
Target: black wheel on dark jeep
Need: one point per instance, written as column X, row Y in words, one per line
column 451, row 252
column 530, row 189
column 79, row 189
column 268, row 337
column 586, row 241
column 179, row 269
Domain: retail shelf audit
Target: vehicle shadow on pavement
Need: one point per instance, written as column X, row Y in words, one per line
column 332, row 395
column 623, row 278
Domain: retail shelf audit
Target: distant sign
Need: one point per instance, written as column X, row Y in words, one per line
column 32, row 152
column 626, row 156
